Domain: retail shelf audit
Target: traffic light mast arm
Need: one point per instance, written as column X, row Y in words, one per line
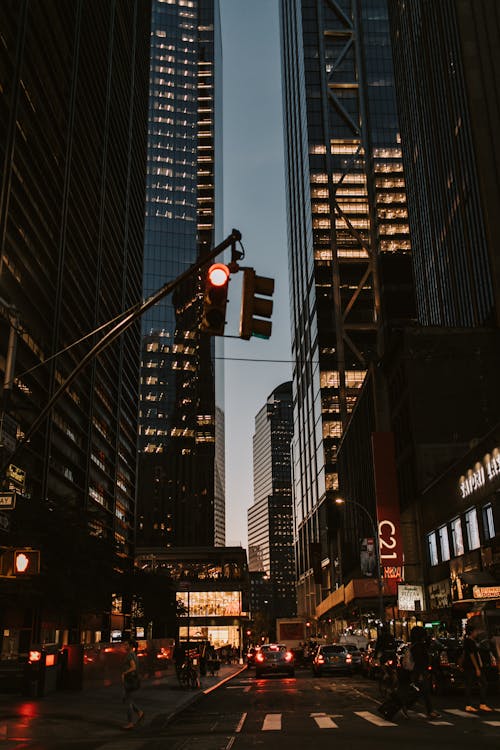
column 122, row 326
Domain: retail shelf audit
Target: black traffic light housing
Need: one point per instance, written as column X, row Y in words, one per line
column 26, row 562
column 213, row 317
column 19, row 562
column 256, row 307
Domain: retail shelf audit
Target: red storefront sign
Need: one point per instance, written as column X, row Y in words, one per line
column 387, row 499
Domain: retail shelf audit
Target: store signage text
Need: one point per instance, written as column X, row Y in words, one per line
column 486, row 592
column 480, row 474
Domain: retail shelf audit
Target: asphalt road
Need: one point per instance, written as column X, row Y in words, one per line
column 282, row 713
column 294, row 713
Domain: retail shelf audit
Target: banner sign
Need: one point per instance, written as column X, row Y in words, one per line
column 410, row 598
column 387, row 499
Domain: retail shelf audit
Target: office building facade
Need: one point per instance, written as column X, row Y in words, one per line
column 74, row 87
column 181, row 446
column 446, row 56
column 270, row 518
column 347, row 219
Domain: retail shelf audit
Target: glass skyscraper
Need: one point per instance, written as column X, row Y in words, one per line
column 347, row 226
column 447, row 56
column 181, row 446
column 270, row 518
column 73, row 117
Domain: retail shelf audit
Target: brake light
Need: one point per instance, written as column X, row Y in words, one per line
column 35, row 656
column 320, row 659
column 348, row 659
column 259, row 656
column 288, row 656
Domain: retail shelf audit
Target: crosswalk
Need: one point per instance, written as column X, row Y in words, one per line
column 275, row 722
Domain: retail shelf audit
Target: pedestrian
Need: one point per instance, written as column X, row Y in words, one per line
column 421, row 662
column 473, row 670
column 131, row 682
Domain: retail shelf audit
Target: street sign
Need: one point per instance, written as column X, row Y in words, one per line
column 7, row 500
column 4, row 522
column 16, row 474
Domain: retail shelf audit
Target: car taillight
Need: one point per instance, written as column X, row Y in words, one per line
column 288, row 656
column 320, row 659
column 348, row 658
column 259, row 657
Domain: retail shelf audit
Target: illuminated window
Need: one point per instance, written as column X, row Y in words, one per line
column 472, row 529
column 432, row 547
column 444, row 543
column 488, row 522
column 457, row 537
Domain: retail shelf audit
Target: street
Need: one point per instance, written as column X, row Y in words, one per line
column 275, row 712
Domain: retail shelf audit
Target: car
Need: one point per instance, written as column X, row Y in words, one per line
column 251, row 657
column 356, row 655
column 274, row 658
column 332, row 657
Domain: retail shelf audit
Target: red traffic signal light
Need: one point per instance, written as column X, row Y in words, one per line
column 26, row 562
column 215, row 300
column 256, row 307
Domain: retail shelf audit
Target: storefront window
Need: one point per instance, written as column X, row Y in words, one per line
column 488, row 522
column 432, row 545
column 457, row 537
column 444, row 543
column 472, row 529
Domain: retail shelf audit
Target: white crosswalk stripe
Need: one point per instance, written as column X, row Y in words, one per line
column 374, row 719
column 492, row 723
column 324, row 721
column 463, row 714
column 271, row 722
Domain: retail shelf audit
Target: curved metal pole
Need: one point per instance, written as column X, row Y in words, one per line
column 116, row 331
column 342, row 501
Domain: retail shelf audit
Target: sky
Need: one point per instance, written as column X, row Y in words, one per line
column 254, row 203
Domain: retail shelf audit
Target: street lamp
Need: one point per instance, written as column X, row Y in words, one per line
column 341, row 501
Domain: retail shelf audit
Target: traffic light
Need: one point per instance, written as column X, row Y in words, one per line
column 26, row 562
column 256, row 308
column 215, row 301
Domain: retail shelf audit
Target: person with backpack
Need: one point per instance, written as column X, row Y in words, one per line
column 473, row 670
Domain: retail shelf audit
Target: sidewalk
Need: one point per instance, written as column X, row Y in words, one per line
column 100, row 713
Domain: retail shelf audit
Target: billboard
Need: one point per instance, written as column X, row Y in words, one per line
column 387, row 499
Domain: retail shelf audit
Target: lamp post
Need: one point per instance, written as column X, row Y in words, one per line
column 341, row 501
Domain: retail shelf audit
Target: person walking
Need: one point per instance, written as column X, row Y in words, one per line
column 419, row 649
column 130, row 681
column 473, row 671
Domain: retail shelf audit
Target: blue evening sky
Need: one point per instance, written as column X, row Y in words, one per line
column 254, row 203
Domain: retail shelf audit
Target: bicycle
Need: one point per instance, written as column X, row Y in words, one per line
column 188, row 675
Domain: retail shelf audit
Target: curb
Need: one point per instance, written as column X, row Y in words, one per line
column 168, row 718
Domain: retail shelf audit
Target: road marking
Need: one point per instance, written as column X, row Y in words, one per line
column 492, row 723
column 374, row 719
column 230, row 743
column 271, row 722
column 459, row 712
column 324, row 722
column 241, row 722
column 441, row 723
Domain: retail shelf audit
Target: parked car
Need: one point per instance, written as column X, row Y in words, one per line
column 274, row 658
column 332, row 658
